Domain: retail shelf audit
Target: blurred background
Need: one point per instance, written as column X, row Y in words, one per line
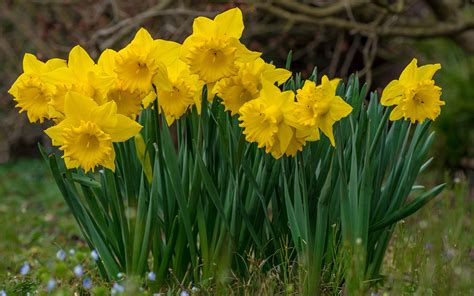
column 377, row 39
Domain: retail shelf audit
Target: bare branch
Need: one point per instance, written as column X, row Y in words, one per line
column 324, row 11
column 429, row 30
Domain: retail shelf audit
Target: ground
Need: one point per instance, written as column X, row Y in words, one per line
column 431, row 253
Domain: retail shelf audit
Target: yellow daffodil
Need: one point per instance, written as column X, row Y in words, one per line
column 142, row 59
column 129, row 101
column 415, row 94
column 319, row 107
column 31, row 90
column 266, row 119
column 81, row 75
column 247, row 83
column 88, row 130
column 214, row 47
column 184, row 90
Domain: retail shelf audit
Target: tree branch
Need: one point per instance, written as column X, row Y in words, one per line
column 324, row 11
column 430, row 30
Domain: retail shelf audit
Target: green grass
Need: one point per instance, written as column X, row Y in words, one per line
column 431, row 253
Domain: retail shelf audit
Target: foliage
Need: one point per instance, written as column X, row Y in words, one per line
column 438, row 238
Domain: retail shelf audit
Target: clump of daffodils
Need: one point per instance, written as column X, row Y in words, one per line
column 92, row 105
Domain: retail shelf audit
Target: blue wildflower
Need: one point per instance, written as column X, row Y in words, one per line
column 78, row 271
column 51, row 284
column 116, row 288
column 25, row 268
column 94, row 255
column 184, row 293
column 152, row 276
column 3, row 293
column 61, row 255
column 87, row 283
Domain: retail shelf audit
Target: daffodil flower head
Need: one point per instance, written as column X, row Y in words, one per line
column 247, row 83
column 142, row 59
column 88, row 130
column 129, row 101
column 213, row 48
column 81, row 75
column 414, row 94
column 31, row 90
column 318, row 106
column 184, row 90
column 266, row 119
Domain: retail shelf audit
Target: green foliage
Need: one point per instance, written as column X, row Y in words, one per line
column 429, row 252
column 455, row 126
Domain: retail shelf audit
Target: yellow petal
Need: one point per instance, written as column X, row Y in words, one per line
column 243, row 54
column 339, row 108
column 161, row 79
column 56, row 132
column 142, row 39
column 109, row 162
column 167, row 52
column 149, row 99
column 328, row 90
column 277, row 75
column 230, row 23
column 54, row 64
column 326, row 127
column 105, row 115
column 409, row 73
column 60, row 75
column 107, row 61
column 285, row 133
column 124, row 129
column 392, row 93
column 396, row 113
column 78, row 107
column 80, row 61
column 203, row 26
column 427, row 72
column 32, row 65
column 270, row 93
column 335, row 82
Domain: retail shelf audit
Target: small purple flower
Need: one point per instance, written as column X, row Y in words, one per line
column 87, row 283
column 25, row 268
column 61, row 255
column 152, row 276
column 116, row 288
column 184, row 293
column 3, row 293
column 78, row 271
column 94, row 255
column 51, row 284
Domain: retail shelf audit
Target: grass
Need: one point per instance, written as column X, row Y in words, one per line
column 431, row 253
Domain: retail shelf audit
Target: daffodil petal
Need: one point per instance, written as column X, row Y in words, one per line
column 277, row 75
column 392, row 93
column 32, row 65
column 124, row 129
column 78, row 107
column 396, row 113
column 230, row 23
column 427, row 72
column 80, row 61
column 409, row 73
